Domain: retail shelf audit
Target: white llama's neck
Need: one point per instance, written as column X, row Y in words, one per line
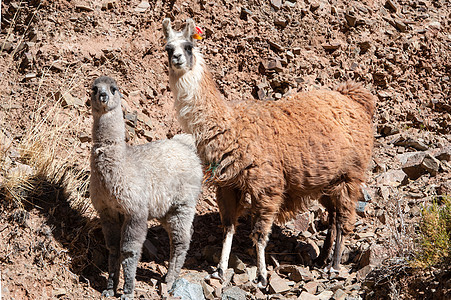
column 109, row 129
column 198, row 103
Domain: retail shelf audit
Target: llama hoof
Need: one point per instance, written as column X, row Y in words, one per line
column 261, row 282
column 218, row 274
column 126, row 296
column 261, row 286
column 333, row 270
column 108, row 293
column 170, row 285
column 329, row 270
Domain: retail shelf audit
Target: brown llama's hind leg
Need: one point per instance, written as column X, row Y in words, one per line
column 338, row 251
column 344, row 197
column 331, row 232
column 230, row 208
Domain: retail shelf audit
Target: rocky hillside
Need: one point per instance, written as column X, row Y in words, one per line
column 51, row 243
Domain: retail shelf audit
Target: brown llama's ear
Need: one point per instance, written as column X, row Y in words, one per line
column 167, row 29
column 189, row 30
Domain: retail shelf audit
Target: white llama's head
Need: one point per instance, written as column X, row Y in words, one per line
column 179, row 46
column 105, row 95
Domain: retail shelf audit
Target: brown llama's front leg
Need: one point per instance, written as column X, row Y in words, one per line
column 230, row 208
column 264, row 214
column 134, row 233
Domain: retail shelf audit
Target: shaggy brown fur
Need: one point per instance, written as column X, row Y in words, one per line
column 313, row 145
column 298, row 147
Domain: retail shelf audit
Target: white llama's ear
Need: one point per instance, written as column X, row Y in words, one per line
column 167, row 29
column 189, row 30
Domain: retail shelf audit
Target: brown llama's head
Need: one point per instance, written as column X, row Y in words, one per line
column 179, row 46
column 105, row 95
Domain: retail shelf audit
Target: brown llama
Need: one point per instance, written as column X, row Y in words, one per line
column 284, row 154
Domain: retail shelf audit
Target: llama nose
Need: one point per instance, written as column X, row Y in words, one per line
column 103, row 97
column 177, row 56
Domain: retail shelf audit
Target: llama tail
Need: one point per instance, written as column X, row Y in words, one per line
column 359, row 94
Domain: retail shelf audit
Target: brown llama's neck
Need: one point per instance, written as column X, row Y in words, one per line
column 200, row 109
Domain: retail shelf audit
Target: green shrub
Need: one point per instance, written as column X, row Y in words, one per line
column 435, row 234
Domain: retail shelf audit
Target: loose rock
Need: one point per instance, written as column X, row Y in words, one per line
column 419, row 163
column 233, row 293
column 374, row 255
column 142, row 7
column 277, row 284
column 67, row 100
column 208, row 290
column 307, row 296
column 392, row 178
column 187, row 290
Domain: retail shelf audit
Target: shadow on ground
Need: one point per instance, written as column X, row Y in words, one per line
column 83, row 239
column 79, row 235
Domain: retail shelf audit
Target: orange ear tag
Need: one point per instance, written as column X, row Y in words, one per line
column 197, row 35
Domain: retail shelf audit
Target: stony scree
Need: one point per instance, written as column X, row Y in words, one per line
column 265, row 50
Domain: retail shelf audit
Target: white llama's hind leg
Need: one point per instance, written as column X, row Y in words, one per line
column 111, row 226
column 134, row 233
column 178, row 224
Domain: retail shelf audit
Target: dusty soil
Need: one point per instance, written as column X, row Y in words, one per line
column 52, row 50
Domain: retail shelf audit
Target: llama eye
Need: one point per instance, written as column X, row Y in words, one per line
column 188, row 47
column 113, row 90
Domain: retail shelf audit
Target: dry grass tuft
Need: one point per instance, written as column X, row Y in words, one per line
column 40, row 166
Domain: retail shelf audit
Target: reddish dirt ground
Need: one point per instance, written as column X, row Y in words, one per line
column 400, row 50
